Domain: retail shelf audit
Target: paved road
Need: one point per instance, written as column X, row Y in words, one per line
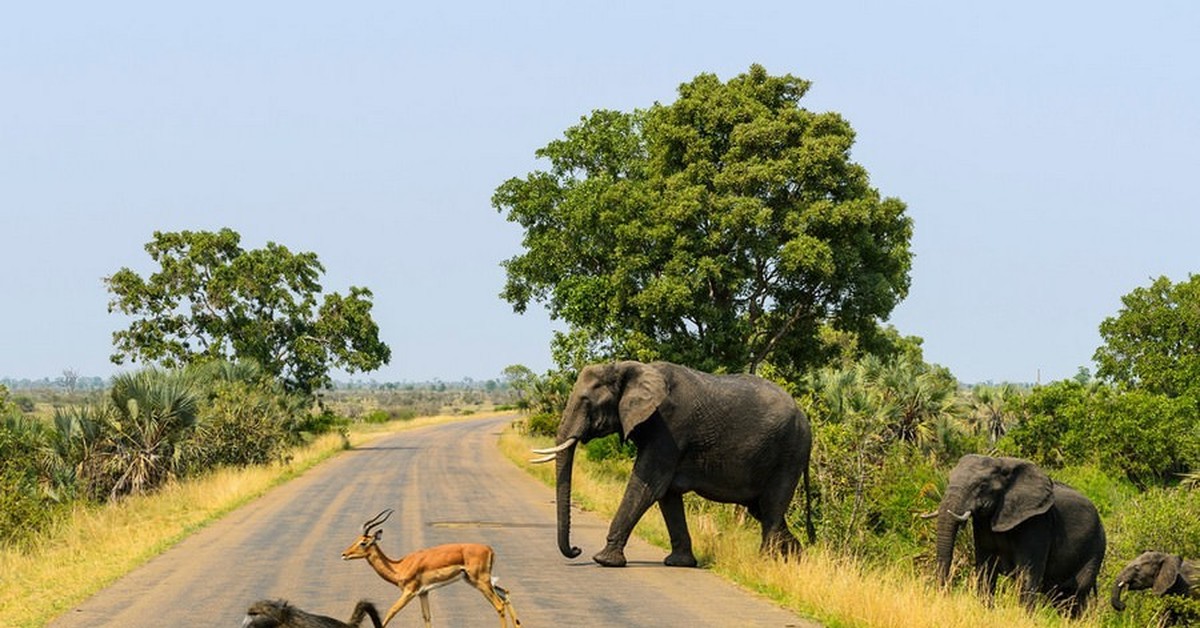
column 447, row 483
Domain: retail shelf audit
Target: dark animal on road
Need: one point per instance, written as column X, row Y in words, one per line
column 280, row 614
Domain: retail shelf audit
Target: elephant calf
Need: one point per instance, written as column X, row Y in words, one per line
column 1162, row 573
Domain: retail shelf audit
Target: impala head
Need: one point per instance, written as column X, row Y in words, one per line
column 362, row 546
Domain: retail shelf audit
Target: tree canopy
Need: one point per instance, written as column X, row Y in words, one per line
column 1153, row 343
column 211, row 299
column 723, row 230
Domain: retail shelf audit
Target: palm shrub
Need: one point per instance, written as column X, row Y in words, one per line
column 154, row 411
column 73, row 456
column 879, row 423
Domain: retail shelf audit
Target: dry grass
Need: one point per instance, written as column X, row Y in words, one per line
column 97, row 545
column 835, row 590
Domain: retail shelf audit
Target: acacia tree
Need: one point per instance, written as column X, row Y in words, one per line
column 1153, row 343
column 722, row 230
column 211, row 299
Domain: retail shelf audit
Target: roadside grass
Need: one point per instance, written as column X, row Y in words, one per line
column 835, row 590
column 96, row 545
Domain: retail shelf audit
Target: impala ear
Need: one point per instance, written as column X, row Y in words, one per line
column 645, row 389
column 378, row 535
column 1029, row 492
column 1168, row 573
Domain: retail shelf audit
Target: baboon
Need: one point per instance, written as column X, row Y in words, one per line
column 280, row 614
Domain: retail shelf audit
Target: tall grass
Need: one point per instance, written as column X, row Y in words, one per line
column 95, row 545
column 834, row 589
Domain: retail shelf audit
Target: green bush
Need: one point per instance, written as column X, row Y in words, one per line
column 25, row 509
column 610, row 447
column 377, row 416
column 241, row 424
column 1148, row 438
column 543, row 423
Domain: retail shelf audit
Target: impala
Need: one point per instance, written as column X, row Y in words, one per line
column 425, row 570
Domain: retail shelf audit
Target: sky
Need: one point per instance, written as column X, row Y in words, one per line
column 1047, row 153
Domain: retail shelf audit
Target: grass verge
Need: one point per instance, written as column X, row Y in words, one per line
column 836, row 590
column 96, row 545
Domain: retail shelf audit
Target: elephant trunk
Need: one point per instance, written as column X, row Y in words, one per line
column 565, row 463
column 1119, row 586
column 947, row 530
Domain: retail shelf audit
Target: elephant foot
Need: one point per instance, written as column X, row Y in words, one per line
column 610, row 557
column 680, row 559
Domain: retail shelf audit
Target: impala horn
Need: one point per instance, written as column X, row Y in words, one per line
column 376, row 521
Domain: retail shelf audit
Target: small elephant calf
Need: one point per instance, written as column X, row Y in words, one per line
column 1162, row 573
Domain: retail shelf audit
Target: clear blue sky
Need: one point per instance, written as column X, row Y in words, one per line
column 1048, row 153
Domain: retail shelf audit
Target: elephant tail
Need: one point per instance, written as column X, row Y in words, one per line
column 808, row 522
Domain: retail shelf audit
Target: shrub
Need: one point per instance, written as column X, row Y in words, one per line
column 611, row 447
column 377, row 416
column 25, row 509
column 241, row 424
column 543, row 424
column 1146, row 437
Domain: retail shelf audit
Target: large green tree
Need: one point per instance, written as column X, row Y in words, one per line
column 212, row 299
column 1153, row 343
column 722, row 230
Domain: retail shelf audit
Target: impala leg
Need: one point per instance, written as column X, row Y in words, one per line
column 425, row 610
column 405, row 598
column 495, row 599
column 503, row 593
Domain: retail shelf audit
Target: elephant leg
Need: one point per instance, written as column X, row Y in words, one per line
column 772, row 513
column 648, row 483
column 681, row 555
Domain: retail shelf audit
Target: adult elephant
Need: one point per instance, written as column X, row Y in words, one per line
column 730, row 438
column 1044, row 533
column 1162, row 573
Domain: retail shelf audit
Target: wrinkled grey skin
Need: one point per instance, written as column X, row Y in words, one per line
column 1026, row 525
column 730, row 438
column 1163, row 573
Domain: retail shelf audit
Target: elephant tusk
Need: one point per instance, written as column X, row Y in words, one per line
column 928, row 515
column 962, row 517
column 543, row 459
column 553, row 450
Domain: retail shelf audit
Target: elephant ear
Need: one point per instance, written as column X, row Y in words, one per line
column 645, row 389
column 1029, row 492
column 1168, row 573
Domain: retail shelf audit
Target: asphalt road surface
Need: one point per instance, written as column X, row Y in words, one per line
column 447, row 483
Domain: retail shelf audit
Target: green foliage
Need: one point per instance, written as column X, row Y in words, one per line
column 610, row 447
column 720, row 231
column 1147, row 437
column 212, row 300
column 1163, row 519
column 882, row 429
column 1153, row 343
column 543, row 423
column 242, row 423
column 25, row 509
